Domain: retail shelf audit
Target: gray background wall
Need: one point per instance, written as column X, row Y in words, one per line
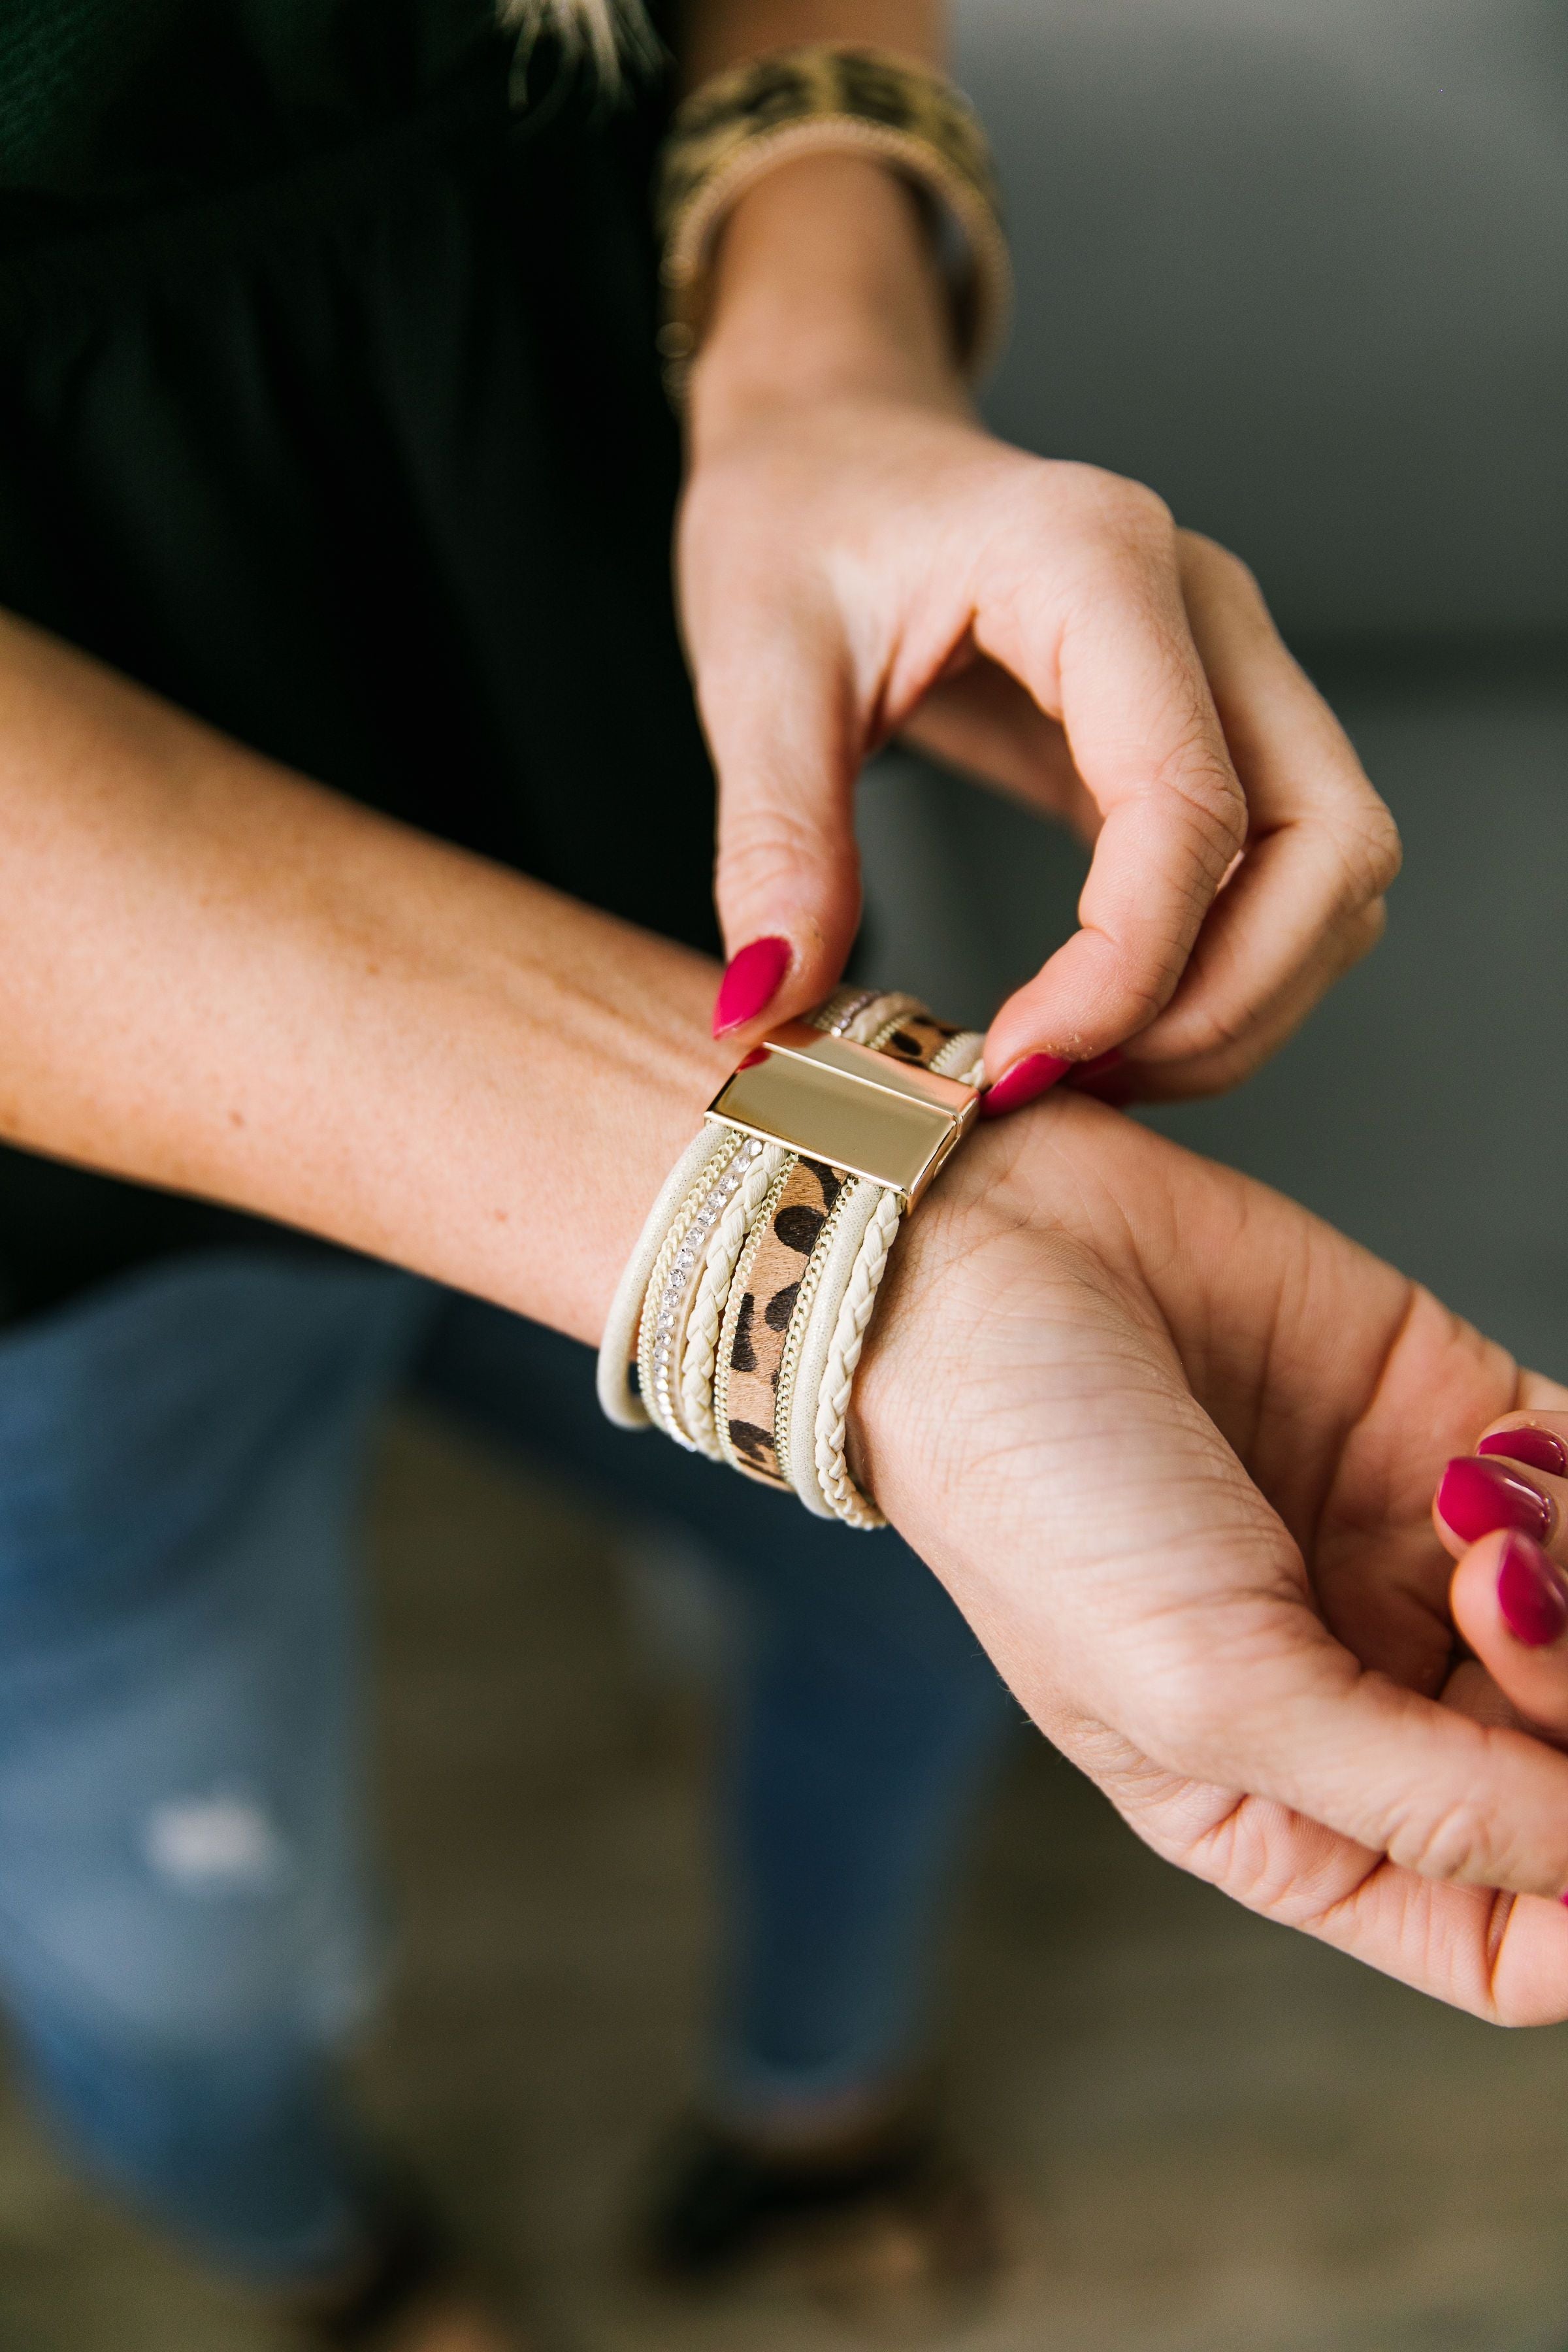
column 1303, row 264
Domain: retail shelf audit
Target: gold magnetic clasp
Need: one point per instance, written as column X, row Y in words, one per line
column 831, row 1099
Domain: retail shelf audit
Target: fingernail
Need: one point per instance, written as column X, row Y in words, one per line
column 1531, row 1595
column 751, row 980
column 1536, row 1448
column 1476, row 1498
column 1100, row 1064
column 1022, row 1083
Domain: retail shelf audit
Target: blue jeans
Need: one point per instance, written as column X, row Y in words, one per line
column 186, row 1933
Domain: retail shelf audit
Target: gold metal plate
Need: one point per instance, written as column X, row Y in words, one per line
column 839, row 1102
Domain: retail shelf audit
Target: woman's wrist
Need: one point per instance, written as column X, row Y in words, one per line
column 1029, row 1220
column 924, row 1324
column 826, row 285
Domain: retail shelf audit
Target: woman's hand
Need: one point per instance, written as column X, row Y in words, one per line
column 1225, row 1608
column 857, row 559
column 1172, row 1444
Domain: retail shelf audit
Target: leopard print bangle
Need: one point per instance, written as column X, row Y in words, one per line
column 739, row 1323
column 819, row 99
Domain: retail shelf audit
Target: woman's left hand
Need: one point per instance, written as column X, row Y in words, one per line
column 859, row 560
column 1171, row 1443
column 1502, row 1512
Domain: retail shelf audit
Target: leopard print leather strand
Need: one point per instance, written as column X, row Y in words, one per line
column 759, row 1328
column 827, row 97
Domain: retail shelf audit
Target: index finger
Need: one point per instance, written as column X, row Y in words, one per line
column 1418, row 1840
column 1501, row 1955
column 1304, row 1725
column 1124, row 676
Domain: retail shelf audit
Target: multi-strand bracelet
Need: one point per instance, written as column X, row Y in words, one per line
column 821, row 98
column 740, row 1317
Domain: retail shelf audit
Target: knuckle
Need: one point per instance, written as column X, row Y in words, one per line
column 1452, row 1845
column 1384, row 852
column 1369, row 854
column 1205, row 561
column 1184, row 1717
column 753, row 861
column 1144, row 988
column 1211, row 798
column 1137, row 972
column 1250, row 1868
column 1141, row 512
column 778, row 854
column 1107, row 507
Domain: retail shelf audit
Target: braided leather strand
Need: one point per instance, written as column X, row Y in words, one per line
column 843, row 1359
column 963, row 1058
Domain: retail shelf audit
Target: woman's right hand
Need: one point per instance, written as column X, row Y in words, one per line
column 1171, row 1441
column 858, row 557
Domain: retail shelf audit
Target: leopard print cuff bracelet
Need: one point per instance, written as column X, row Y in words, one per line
column 819, row 99
column 741, row 1316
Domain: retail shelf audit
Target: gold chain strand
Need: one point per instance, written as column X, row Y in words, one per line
column 794, row 1339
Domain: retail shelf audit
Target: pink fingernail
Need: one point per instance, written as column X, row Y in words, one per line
column 1022, row 1083
column 1531, row 1597
column 1477, row 1498
column 1536, row 1448
column 750, row 981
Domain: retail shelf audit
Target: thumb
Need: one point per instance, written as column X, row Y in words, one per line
column 779, row 708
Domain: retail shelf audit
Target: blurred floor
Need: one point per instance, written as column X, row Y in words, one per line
column 1218, row 2137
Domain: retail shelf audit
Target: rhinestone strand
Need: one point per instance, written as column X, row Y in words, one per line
column 659, row 1274
column 667, row 1315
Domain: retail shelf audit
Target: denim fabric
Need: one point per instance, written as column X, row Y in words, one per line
column 185, row 1927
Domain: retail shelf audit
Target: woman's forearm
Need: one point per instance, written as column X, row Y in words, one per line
column 220, row 978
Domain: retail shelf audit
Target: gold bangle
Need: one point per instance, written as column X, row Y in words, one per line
column 825, row 99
